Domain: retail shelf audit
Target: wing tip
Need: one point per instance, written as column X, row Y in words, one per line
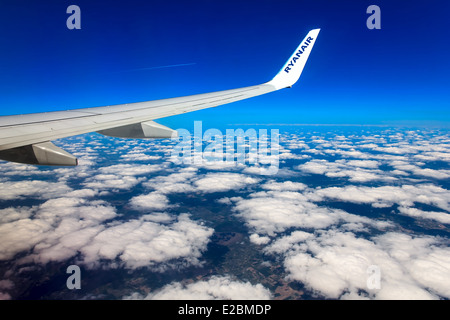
column 292, row 69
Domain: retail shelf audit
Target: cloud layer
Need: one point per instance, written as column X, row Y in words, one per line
column 334, row 212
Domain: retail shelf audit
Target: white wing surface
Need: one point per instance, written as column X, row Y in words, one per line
column 26, row 138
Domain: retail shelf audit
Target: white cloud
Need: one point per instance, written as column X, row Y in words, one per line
column 364, row 163
column 288, row 155
column 12, row 214
column 188, row 180
column 273, row 212
column 53, row 230
column 69, row 227
column 426, row 260
column 315, row 166
column 284, row 186
column 120, row 176
column 151, row 201
column 405, row 195
column 138, row 243
column 417, row 170
column 20, row 235
column 12, row 169
column 335, row 264
column 355, row 170
column 12, row 190
column 139, row 157
column 216, row 288
column 219, row 182
column 432, row 173
column 288, row 243
column 441, row 217
column 258, row 240
column 180, row 181
column 110, row 181
column 395, row 150
column 130, row 169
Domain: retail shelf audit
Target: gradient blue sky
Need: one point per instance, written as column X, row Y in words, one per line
column 399, row 74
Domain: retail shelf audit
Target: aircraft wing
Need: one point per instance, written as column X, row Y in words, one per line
column 27, row 138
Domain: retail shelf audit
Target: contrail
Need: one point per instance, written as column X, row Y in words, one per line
column 159, row 67
column 169, row 66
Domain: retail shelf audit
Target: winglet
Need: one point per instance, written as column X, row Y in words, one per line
column 291, row 71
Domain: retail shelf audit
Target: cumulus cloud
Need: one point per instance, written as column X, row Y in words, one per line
column 414, row 168
column 189, row 180
column 120, row 176
column 355, row 170
column 130, row 169
column 259, row 240
column 110, row 181
column 12, row 169
column 139, row 157
column 284, row 186
column 78, row 226
column 219, row 182
column 405, row 195
column 439, row 216
column 151, row 201
column 12, row 190
column 180, row 181
column 53, row 230
column 288, row 243
column 336, row 264
column 426, row 260
column 186, row 180
column 216, row 288
column 138, row 243
column 273, row 212
column 371, row 151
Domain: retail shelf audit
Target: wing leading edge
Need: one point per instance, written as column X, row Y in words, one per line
column 26, row 138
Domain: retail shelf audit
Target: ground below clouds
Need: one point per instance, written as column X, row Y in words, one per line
column 350, row 213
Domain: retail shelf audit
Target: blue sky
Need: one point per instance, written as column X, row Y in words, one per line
column 396, row 75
